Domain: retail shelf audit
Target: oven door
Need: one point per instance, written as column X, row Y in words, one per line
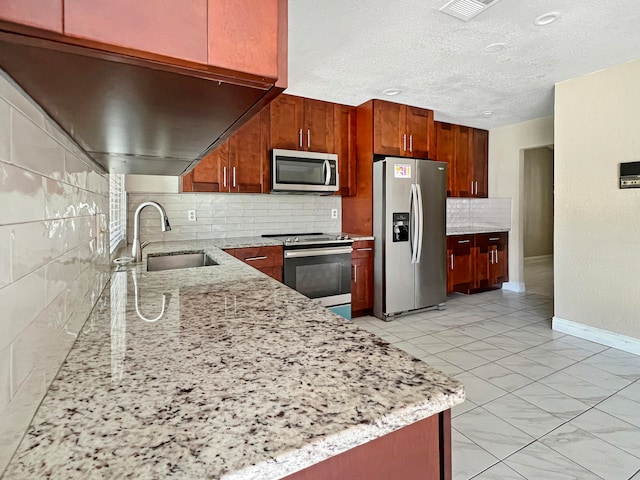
column 320, row 273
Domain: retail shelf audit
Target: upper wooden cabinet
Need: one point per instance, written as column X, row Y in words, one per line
column 401, row 130
column 299, row 123
column 465, row 149
column 243, row 36
column 344, row 118
column 240, row 165
column 46, row 14
column 175, row 28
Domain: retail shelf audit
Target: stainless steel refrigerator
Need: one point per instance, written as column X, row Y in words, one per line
column 409, row 215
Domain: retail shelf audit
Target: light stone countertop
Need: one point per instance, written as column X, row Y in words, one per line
column 219, row 372
column 470, row 230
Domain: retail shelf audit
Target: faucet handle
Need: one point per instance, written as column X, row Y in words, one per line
column 144, row 244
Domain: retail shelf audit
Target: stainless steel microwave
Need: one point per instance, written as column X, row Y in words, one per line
column 295, row 171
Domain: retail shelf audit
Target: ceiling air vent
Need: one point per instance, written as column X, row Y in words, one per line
column 467, row 9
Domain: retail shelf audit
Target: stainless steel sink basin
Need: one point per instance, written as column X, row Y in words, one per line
column 175, row 260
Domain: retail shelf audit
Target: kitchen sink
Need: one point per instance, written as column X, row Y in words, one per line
column 175, row 260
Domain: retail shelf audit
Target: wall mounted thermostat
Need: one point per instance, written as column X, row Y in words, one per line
column 630, row 175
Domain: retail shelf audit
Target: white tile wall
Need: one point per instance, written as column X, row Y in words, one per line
column 224, row 215
column 479, row 212
column 52, row 269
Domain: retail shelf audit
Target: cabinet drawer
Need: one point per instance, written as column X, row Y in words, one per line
column 486, row 239
column 362, row 249
column 259, row 257
column 460, row 241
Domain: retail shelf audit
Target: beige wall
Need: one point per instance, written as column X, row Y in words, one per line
column 506, row 180
column 538, row 202
column 597, row 225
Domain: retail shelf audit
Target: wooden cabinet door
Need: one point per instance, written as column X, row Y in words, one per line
column 460, row 268
column 248, row 157
column 362, row 278
column 46, row 14
column 317, row 128
column 419, row 126
column 388, row 128
column 445, row 151
column 176, row 28
column 479, row 163
column 344, row 119
column 287, row 114
column 462, row 173
column 243, row 36
column 210, row 175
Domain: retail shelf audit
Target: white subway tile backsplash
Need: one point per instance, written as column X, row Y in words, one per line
column 470, row 213
column 20, row 302
column 51, row 270
column 234, row 215
column 30, row 144
column 24, row 188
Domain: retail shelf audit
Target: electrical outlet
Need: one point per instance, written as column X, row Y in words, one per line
column 191, row 215
column 334, row 213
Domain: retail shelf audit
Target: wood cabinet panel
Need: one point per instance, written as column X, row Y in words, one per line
column 243, row 36
column 248, row 157
column 480, row 163
column 46, row 14
column 388, row 123
column 460, row 268
column 419, row 127
column 344, row 118
column 362, row 278
column 299, row 123
column 210, row 175
column 176, row 28
column 477, row 262
column 445, row 151
column 268, row 260
column 461, row 172
column 420, row 451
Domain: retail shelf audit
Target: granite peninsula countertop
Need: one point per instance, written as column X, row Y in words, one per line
column 470, row 230
column 219, row 372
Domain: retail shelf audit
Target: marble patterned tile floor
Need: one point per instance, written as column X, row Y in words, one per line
column 540, row 404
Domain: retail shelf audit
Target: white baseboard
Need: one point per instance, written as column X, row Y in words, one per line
column 593, row 334
column 513, row 286
column 539, row 257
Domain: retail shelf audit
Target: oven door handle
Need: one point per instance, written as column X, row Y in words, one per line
column 316, row 252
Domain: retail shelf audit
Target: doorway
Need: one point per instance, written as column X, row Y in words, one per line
column 538, row 220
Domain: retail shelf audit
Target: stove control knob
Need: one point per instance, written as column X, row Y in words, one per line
column 346, row 237
column 296, row 239
column 288, row 240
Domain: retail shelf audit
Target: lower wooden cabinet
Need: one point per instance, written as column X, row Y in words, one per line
column 268, row 260
column 477, row 262
column 420, row 451
column 362, row 278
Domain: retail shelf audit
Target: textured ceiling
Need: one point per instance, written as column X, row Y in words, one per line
column 349, row 51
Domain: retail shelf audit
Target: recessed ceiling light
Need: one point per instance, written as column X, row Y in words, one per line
column 546, row 19
column 391, row 91
column 487, row 112
column 495, row 47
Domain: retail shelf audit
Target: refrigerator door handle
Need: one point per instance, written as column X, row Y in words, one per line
column 414, row 223
column 420, row 224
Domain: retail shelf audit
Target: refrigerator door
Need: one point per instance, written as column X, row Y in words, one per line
column 430, row 273
column 394, row 272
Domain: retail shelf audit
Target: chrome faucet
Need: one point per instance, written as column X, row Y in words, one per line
column 136, row 249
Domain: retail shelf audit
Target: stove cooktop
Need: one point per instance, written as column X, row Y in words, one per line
column 292, row 239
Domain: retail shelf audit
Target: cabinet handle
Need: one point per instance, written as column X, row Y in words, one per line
column 476, row 182
column 309, row 138
column 496, row 257
column 452, row 261
column 224, row 177
column 364, row 249
column 234, row 177
column 411, row 143
column 492, row 239
column 251, row 259
column 300, row 137
column 355, row 274
column 464, row 241
column 404, row 142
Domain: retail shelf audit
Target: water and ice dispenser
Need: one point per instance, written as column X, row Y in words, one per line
column 400, row 227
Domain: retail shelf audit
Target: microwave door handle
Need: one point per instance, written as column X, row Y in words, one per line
column 326, row 167
column 420, row 224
